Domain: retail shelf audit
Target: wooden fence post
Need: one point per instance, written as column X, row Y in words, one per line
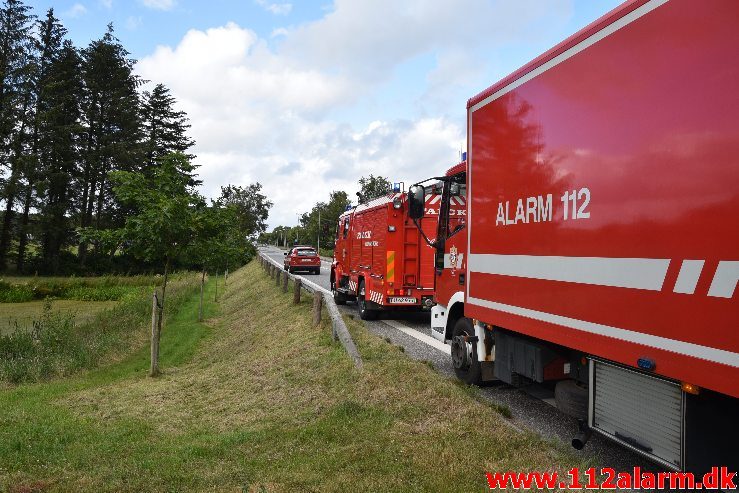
column 277, row 277
column 317, row 305
column 216, row 298
column 296, row 291
column 200, row 308
column 284, row 282
column 154, row 368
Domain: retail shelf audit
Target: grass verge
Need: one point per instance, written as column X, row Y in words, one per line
column 57, row 345
column 265, row 403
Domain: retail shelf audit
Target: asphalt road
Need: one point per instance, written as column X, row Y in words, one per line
column 532, row 407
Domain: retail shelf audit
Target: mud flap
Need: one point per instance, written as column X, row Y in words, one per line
column 487, row 371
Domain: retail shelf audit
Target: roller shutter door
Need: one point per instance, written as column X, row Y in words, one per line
column 639, row 410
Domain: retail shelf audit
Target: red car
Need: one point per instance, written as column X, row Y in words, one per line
column 302, row 258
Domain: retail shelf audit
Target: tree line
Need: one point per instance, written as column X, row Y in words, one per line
column 321, row 221
column 90, row 163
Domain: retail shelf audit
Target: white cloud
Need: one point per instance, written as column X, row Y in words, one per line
column 134, row 22
column 77, row 10
column 370, row 37
column 275, row 8
column 279, row 32
column 108, row 4
column 272, row 115
column 159, row 4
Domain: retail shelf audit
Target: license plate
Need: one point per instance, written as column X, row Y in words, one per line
column 307, row 260
column 402, row 300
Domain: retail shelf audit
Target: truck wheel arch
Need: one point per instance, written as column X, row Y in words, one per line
column 455, row 311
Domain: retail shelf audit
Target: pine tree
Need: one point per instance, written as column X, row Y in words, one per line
column 47, row 47
column 111, row 115
column 165, row 128
column 59, row 139
column 16, row 60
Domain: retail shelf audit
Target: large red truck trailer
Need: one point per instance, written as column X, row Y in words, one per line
column 380, row 258
column 600, row 251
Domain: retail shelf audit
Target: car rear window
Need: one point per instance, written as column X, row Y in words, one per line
column 306, row 253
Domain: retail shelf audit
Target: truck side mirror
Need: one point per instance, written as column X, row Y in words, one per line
column 416, row 201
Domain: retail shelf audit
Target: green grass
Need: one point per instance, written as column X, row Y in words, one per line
column 22, row 315
column 58, row 344
column 256, row 399
column 19, row 289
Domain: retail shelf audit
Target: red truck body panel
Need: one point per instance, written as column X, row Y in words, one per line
column 603, row 191
column 392, row 264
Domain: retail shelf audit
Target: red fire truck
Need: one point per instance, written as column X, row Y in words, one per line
column 600, row 249
column 381, row 259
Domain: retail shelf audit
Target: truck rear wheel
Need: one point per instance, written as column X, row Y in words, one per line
column 364, row 313
column 464, row 353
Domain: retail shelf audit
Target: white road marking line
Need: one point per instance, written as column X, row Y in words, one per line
column 445, row 348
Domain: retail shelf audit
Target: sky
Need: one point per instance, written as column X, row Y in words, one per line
column 305, row 97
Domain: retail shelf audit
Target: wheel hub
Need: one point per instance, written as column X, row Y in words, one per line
column 461, row 353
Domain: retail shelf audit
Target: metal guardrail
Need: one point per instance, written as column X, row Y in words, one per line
column 321, row 296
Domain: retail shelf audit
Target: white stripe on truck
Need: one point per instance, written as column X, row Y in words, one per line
column 675, row 346
column 724, row 282
column 635, row 273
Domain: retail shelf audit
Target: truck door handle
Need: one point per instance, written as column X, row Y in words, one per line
column 461, row 279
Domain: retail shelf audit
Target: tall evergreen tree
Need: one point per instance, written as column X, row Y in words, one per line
column 111, row 115
column 165, row 128
column 48, row 46
column 16, row 58
column 59, row 140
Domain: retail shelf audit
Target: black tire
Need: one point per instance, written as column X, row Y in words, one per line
column 317, row 271
column 364, row 312
column 290, row 270
column 466, row 365
column 284, row 267
column 572, row 398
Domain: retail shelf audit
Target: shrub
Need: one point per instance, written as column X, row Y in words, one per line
column 15, row 293
column 34, row 354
